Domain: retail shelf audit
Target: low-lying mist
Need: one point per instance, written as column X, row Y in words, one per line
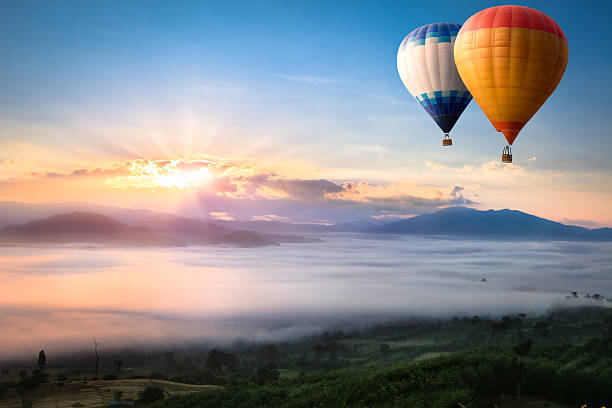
column 60, row 297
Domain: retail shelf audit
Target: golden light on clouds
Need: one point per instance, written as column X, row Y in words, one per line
column 152, row 174
column 240, row 188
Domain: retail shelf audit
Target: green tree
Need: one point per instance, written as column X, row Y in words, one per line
column 151, row 394
column 42, row 360
column 521, row 350
column 220, row 361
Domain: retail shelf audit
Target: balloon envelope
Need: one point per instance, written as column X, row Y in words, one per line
column 426, row 65
column 511, row 58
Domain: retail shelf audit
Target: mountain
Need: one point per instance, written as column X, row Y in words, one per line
column 491, row 224
column 189, row 230
column 273, row 227
column 197, row 232
column 159, row 229
column 84, row 227
column 245, row 239
column 454, row 221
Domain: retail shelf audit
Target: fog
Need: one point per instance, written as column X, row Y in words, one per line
column 60, row 297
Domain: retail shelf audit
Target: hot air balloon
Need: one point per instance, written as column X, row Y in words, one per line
column 427, row 68
column 511, row 58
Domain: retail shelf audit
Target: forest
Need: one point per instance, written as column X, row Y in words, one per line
column 562, row 357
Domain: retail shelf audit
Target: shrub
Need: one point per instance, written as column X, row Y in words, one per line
column 151, row 394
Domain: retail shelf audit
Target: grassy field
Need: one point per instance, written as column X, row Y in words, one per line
column 92, row 394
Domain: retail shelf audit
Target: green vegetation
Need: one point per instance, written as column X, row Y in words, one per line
column 564, row 357
column 479, row 378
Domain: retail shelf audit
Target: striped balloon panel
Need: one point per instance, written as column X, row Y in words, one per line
column 511, row 58
column 425, row 62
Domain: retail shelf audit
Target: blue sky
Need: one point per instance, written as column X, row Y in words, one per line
column 280, row 82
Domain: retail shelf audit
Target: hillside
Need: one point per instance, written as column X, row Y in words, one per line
column 502, row 224
column 189, row 230
column 246, row 239
column 83, row 227
column 157, row 229
column 96, row 393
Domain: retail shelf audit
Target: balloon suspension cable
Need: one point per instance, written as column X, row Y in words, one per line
column 507, row 154
column 447, row 141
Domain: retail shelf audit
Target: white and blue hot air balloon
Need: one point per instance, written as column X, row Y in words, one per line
column 426, row 64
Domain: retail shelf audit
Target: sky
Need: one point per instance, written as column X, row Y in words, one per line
column 281, row 110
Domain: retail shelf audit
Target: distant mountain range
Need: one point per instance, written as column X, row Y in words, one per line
column 491, row 224
column 146, row 227
column 84, row 227
column 453, row 221
column 160, row 230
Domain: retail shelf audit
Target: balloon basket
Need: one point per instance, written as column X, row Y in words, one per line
column 447, row 141
column 507, row 155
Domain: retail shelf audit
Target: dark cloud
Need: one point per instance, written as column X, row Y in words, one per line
column 97, row 172
column 306, row 189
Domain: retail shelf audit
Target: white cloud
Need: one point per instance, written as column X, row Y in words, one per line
column 435, row 166
column 220, row 215
column 269, row 217
column 307, row 79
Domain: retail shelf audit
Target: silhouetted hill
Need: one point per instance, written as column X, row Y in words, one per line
column 160, row 230
column 194, row 231
column 273, row 227
column 188, row 229
column 84, row 227
column 501, row 224
column 244, row 239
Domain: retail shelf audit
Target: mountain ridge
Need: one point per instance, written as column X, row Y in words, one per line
column 502, row 224
column 160, row 229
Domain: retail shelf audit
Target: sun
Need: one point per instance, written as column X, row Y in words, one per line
column 171, row 174
column 181, row 179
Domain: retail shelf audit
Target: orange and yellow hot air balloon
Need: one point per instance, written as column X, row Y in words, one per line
column 511, row 58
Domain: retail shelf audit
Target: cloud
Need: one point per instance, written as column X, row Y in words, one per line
column 220, row 215
column 307, row 79
column 435, row 166
column 305, row 189
column 120, row 169
column 497, row 166
column 222, row 189
column 269, row 217
column 324, row 286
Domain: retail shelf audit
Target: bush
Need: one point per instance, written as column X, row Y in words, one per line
column 110, row 376
column 156, row 375
column 151, row 394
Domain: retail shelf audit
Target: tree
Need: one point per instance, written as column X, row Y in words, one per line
column 42, row 361
column 268, row 354
column 39, row 375
column 220, row 361
column 118, row 366
column 521, row 350
column 98, row 357
column 151, row 394
column 267, row 374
